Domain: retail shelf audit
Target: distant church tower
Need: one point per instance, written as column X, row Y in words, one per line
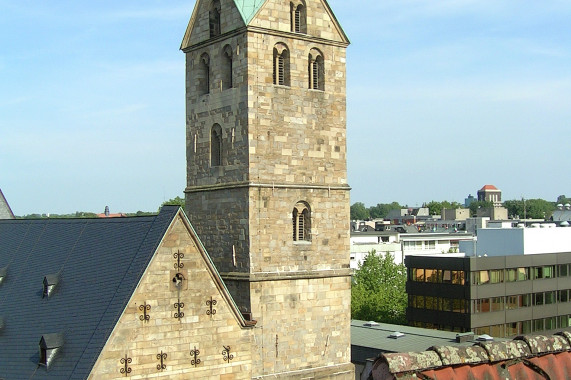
column 267, row 184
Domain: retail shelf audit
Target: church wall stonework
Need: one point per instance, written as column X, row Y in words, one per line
column 141, row 341
column 282, row 145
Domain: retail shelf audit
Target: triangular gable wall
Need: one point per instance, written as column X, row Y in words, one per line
column 198, row 29
column 321, row 22
column 137, row 342
column 5, row 210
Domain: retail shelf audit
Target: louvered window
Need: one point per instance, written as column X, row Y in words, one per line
column 281, row 70
column 281, row 65
column 315, row 84
column 301, row 221
column 298, row 17
column 316, row 70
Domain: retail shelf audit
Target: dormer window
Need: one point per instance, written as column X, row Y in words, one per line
column 3, row 272
column 50, row 344
column 214, row 18
column 298, row 17
column 50, row 282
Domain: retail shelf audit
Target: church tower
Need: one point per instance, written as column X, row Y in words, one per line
column 267, row 184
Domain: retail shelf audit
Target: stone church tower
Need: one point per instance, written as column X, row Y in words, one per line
column 267, row 184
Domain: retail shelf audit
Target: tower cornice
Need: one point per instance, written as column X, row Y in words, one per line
column 246, row 184
column 264, row 31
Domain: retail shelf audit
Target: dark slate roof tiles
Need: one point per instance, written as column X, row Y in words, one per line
column 99, row 262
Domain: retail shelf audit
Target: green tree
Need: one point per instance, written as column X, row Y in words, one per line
column 359, row 211
column 378, row 291
column 381, row 210
column 435, row 208
column 474, row 206
column 177, row 201
column 534, row 208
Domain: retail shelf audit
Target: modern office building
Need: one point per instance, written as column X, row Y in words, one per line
column 510, row 281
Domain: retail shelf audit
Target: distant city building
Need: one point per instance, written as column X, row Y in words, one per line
column 5, row 210
column 409, row 215
column 402, row 244
column 468, row 201
column 494, row 213
column 509, row 281
column 107, row 214
column 455, row 214
column 490, row 193
column 562, row 214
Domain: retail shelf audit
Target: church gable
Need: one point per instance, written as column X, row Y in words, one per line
column 313, row 18
column 180, row 320
column 211, row 18
column 5, row 211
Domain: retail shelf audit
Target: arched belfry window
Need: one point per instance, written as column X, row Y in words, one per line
column 214, row 18
column 298, row 17
column 203, row 74
column 316, row 70
column 227, row 67
column 301, row 220
column 216, row 145
column 281, row 65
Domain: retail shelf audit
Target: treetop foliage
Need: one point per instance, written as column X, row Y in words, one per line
column 378, row 291
column 534, row 208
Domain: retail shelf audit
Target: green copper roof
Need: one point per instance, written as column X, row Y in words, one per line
column 248, row 8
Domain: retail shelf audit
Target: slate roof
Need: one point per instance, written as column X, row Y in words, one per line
column 5, row 210
column 99, row 263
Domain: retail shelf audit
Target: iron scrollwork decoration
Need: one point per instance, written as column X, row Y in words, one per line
column 178, row 256
column 126, row 370
column 178, row 306
column 162, row 357
column 194, row 353
column 145, row 308
column 211, row 303
column 226, row 354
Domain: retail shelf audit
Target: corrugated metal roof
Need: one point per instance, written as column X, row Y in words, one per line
column 368, row 341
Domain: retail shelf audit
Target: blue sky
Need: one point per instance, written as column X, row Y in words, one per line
column 443, row 98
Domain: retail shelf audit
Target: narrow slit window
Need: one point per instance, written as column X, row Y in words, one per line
column 214, row 19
